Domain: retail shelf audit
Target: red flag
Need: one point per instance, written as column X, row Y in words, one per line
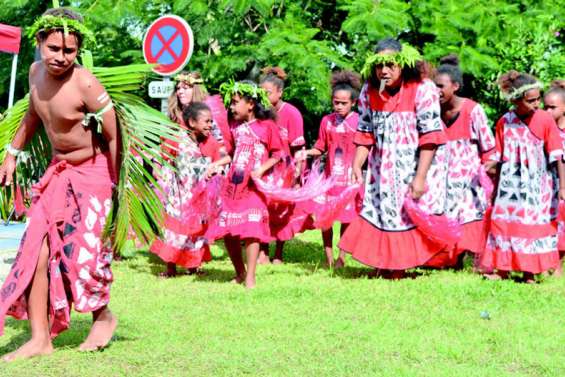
column 10, row 37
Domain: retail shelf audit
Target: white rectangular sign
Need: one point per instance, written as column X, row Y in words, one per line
column 161, row 89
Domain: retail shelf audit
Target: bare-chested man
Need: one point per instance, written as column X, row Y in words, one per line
column 62, row 260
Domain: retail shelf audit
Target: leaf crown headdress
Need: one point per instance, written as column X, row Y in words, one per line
column 189, row 78
column 67, row 25
column 406, row 57
column 230, row 88
column 519, row 92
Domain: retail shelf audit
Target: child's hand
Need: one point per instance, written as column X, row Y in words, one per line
column 357, row 176
column 417, row 187
column 210, row 171
column 562, row 193
column 257, row 173
column 301, row 155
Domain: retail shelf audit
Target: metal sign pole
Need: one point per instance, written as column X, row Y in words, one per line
column 165, row 101
column 13, row 81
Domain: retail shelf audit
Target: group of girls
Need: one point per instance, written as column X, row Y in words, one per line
column 433, row 168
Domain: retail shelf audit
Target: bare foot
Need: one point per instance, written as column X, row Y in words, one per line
column 263, row 258
column 101, row 331
column 195, row 271
column 277, row 261
column 30, row 349
column 238, row 279
column 167, row 274
column 339, row 263
column 376, row 273
column 250, row 282
column 496, row 276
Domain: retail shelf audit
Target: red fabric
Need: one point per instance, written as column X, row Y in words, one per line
column 403, row 101
column 291, row 126
column 513, row 261
column 19, row 205
column 364, row 138
column 516, row 229
column 10, row 38
column 70, row 205
column 434, row 137
column 210, row 148
column 387, row 250
column 561, row 242
column 473, row 240
column 181, row 257
column 219, row 114
column 461, row 128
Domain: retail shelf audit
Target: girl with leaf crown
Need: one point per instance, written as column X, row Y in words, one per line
column 335, row 138
column 522, row 228
column 256, row 148
column 285, row 220
column 470, row 145
column 400, row 131
column 63, row 260
column 198, row 158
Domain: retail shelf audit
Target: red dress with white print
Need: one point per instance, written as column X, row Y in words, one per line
column 561, row 224
column 244, row 211
column 178, row 245
column 336, row 138
column 470, row 143
column 286, row 220
column 523, row 228
column 394, row 127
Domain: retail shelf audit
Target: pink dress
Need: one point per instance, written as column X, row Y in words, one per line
column 394, row 127
column 287, row 220
column 523, row 228
column 336, row 138
column 470, row 143
column 244, row 211
column 179, row 245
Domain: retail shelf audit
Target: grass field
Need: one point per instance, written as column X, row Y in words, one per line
column 303, row 320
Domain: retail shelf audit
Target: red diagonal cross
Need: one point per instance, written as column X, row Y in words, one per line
column 166, row 45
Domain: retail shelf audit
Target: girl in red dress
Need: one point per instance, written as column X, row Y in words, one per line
column 256, row 148
column 470, row 144
column 198, row 158
column 400, row 131
column 286, row 220
column 335, row 138
column 523, row 228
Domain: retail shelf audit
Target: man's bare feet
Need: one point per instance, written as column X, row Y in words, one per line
column 277, row 261
column 101, row 332
column 167, row 274
column 34, row 347
column 499, row 275
column 263, row 258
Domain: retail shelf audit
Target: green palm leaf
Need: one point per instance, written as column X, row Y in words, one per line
column 137, row 206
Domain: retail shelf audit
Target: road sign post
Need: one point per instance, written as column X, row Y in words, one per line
column 168, row 43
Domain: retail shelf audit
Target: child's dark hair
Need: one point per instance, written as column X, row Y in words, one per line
column 65, row 13
column 513, row 80
column 193, row 111
column 417, row 73
column 449, row 65
column 557, row 87
column 274, row 75
column 346, row 80
column 259, row 110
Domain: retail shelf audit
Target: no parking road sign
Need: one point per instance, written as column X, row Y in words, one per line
column 168, row 42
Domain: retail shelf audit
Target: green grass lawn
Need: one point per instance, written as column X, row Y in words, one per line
column 303, row 320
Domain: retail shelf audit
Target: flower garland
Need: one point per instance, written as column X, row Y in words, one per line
column 229, row 89
column 189, row 79
column 68, row 25
column 406, row 57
